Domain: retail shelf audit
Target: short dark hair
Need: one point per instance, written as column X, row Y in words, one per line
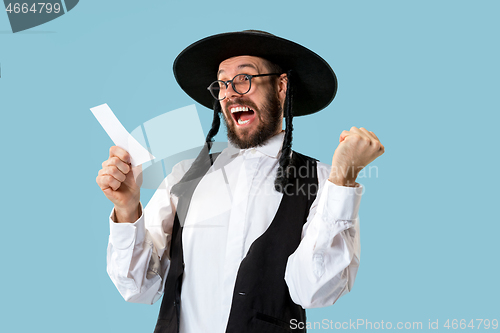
column 273, row 67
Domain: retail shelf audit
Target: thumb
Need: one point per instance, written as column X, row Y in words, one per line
column 343, row 136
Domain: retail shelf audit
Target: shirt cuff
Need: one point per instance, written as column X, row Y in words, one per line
column 123, row 235
column 340, row 202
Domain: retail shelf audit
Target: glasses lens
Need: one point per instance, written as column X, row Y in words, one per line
column 241, row 84
column 218, row 90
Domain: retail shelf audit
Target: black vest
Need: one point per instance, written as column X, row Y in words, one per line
column 261, row 300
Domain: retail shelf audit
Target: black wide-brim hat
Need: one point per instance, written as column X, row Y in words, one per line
column 314, row 82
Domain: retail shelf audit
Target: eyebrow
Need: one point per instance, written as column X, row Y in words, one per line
column 239, row 67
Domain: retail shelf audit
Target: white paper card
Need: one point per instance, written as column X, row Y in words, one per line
column 120, row 136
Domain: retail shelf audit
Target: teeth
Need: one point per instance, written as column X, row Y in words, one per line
column 241, row 122
column 239, row 109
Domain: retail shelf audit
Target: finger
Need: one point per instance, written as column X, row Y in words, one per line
column 356, row 130
column 102, row 183
column 343, row 135
column 381, row 146
column 108, row 191
column 114, row 172
column 376, row 137
column 353, row 132
column 117, row 162
column 368, row 134
column 107, row 181
column 121, row 153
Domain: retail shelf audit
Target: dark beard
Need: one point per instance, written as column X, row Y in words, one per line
column 269, row 119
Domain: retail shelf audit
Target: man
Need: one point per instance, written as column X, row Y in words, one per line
column 245, row 240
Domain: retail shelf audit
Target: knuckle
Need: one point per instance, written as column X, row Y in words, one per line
column 111, row 170
column 103, row 185
column 356, row 137
column 106, row 179
column 102, row 182
column 110, row 181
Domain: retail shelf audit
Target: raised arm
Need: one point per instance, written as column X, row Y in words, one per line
column 325, row 264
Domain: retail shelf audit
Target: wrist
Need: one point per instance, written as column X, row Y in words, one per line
column 342, row 179
column 343, row 182
column 125, row 214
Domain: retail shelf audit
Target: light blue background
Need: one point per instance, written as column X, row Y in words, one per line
column 423, row 75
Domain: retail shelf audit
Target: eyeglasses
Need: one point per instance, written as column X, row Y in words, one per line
column 241, row 84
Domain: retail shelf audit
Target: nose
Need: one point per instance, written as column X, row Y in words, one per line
column 230, row 92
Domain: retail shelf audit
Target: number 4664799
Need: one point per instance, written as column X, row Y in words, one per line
column 473, row 323
column 40, row 7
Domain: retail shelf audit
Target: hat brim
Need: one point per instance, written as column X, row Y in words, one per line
column 314, row 81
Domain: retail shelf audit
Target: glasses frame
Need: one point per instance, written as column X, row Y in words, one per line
column 248, row 76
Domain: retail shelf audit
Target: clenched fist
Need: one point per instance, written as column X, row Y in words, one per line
column 117, row 182
column 357, row 148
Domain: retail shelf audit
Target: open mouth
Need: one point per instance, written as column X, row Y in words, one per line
column 242, row 115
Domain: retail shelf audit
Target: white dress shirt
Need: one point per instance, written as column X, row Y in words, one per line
column 233, row 205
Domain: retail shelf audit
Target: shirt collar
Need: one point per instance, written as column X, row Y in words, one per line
column 271, row 148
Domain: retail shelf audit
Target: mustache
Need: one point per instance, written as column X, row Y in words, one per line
column 241, row 101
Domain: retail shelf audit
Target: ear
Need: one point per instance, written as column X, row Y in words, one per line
column 282, row 86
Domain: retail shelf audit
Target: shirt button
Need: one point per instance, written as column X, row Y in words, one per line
column 253, row 151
